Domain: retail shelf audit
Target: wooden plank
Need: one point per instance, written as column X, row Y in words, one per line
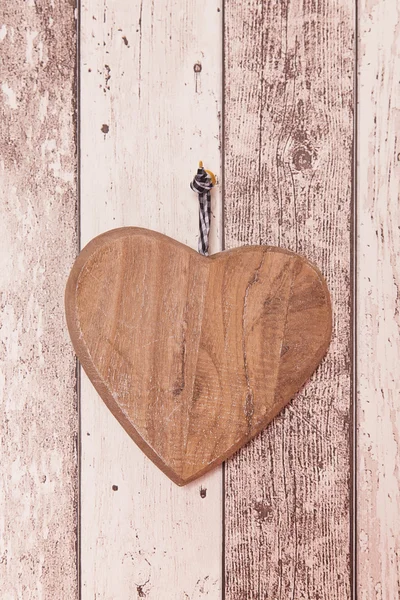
column 378, row 493
column 288, row 181
column 38, row 242
column 150, row 110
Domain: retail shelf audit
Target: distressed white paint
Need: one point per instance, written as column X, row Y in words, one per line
column 38, row 242
column 3, row 32
column 147, row 118
column 378, row 301
column 10, row 97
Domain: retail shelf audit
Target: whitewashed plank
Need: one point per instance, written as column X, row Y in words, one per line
column 378, row 244
column 147, row 117
column 38, row 242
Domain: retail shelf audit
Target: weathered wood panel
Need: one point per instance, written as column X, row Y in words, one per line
column 378, row 409
column 150, row 110
column 288, row 173
column 38, row 242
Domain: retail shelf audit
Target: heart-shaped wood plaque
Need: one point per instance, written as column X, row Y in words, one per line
column 194, row 355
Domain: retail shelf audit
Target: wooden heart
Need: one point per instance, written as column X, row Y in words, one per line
column 194, row 355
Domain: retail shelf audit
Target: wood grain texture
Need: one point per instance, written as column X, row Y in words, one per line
column 150, row 110
column 288, row 180
column 194, row 355
column 378, row 410
column 38, row 242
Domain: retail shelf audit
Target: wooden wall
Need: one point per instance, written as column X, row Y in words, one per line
column 295, row 106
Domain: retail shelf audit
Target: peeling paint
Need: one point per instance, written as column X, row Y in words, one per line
column 38, row 495
column 9, row 93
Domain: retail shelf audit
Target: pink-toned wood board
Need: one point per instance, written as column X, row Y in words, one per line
column 150, row 102
column 38, row 242
column 378, row 320
column 288, row 181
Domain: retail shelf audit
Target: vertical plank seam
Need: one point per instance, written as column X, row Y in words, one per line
column 353, row 246
column 223, row 494
column 79, row 244
column 222, row 142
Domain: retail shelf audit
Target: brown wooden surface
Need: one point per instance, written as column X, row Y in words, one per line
column 194, row 355
column 38, row 241
column 288, row 181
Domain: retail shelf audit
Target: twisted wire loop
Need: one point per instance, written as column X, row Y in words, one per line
column 202, row 185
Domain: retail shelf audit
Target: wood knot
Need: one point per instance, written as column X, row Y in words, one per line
column 197, row 67
column 302, row 159
column 262, row 510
